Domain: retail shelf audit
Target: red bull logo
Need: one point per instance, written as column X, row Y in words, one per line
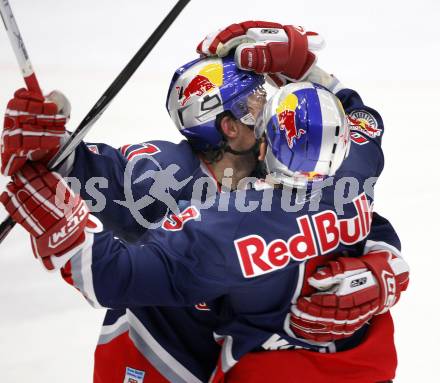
column 364, row 122
column 318, row 234
column 286, row 119
column 208, row 78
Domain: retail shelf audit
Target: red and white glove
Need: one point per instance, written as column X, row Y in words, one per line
column 352, row 290
column 33, row 128
column 285, row 52
column 41, row 202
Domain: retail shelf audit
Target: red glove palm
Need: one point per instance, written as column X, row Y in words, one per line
column 32, row 129
column 48, row 209
column 265, row 47
column 355, row 289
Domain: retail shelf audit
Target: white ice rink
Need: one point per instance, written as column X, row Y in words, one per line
column 387, row 50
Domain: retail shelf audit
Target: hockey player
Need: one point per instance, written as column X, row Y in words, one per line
column 256, row 52
column 265, row 252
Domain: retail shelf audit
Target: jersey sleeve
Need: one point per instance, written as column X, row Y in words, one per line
column 131, row 188
column 366, row 157
column 180, row 264
column 365, row 122
column 382, row 236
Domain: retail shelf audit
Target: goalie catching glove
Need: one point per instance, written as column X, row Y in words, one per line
column 282, row 51
column 33, row 129
column 351, row 291
column 57, row 219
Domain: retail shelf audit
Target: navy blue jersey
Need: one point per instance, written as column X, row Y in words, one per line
column 247, row 268
column 139, row 183
column 220, row 281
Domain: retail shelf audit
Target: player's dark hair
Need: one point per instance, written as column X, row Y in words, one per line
column 215, row 155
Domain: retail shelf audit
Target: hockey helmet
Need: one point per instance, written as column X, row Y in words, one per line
column 203, row 89
column 307, row 134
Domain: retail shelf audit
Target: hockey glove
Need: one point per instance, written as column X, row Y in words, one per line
column 33, row 129
column 50, row 212
column 351, row 291
column 285, row 52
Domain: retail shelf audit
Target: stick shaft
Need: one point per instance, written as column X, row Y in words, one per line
column 18, row 46
column 27, row 71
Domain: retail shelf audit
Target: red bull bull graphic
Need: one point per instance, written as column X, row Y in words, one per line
column 209, row 78
column 364, row 122
column 286, row 118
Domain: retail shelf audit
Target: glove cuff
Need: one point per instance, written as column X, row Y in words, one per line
column 298, row 48
column 55, row 262
column 66, row 235
column 378, row 263
column 321, row 77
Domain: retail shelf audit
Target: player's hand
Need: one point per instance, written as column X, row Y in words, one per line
column 285, row 52
column 33, row 128
column 41, row 202
column 351, row 291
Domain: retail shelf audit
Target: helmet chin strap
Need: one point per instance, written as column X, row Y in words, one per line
column 260, row 170
column 255, row 149
column 241, row 152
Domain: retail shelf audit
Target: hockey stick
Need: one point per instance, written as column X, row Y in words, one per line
column 18, row 46
column 99, row 108
column 27, row 71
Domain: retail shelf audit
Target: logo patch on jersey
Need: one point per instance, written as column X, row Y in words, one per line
column 175, row 222
column 202, row 306
column 275, row 342
column 318, row 234
column 93, row 149
column 133, row 376
column 364, row 122
column 133, row 151
column 358, row 138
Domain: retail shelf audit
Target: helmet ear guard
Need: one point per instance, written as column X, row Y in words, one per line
column 306, row 132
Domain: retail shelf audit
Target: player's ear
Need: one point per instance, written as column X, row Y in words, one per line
column 228, row 127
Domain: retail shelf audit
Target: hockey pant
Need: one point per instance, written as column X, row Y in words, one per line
column 374, row 360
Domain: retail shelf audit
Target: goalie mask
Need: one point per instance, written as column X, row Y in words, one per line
column 306, row 132
column 205, row 88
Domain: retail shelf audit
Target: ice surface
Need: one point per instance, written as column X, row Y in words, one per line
column 47, row 331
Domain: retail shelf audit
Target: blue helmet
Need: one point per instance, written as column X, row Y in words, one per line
column 307, row 134
column 203, row 89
